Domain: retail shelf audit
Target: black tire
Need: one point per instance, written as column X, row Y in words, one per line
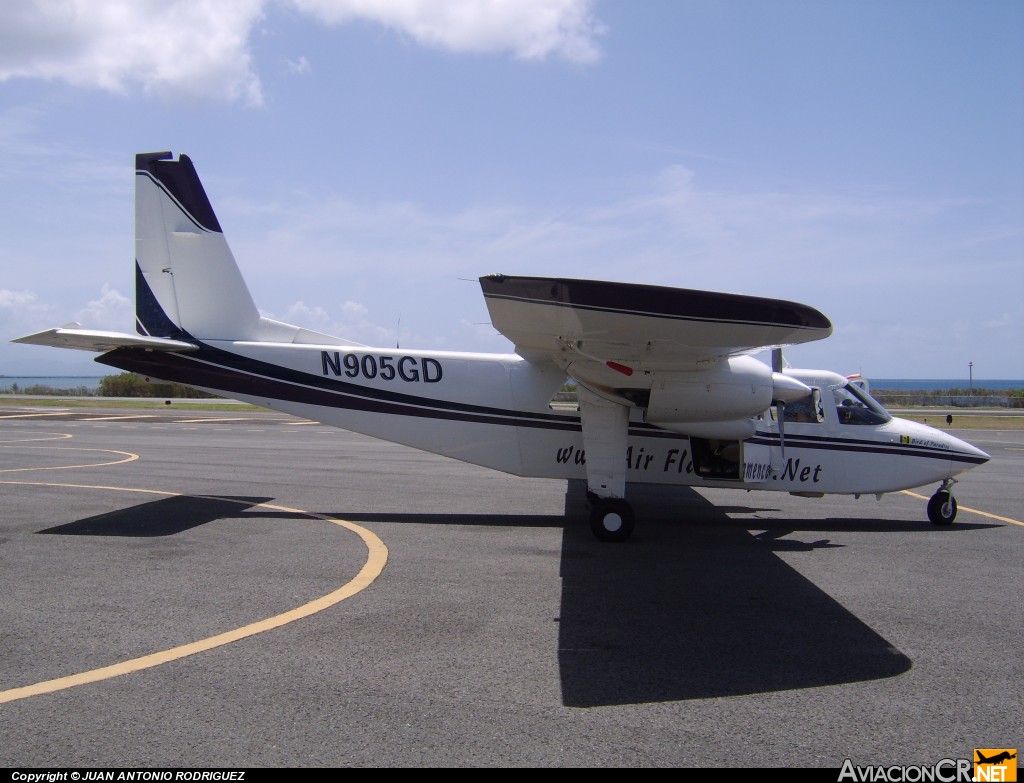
column 942, row 508
column 612, row 520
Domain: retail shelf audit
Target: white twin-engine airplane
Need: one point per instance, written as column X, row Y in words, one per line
column 668, row 390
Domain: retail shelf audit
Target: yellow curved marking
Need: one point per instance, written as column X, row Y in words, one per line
column 49, row 436
column 970, row 510
column 128, row 457
column 36, row 414
column 377, row 556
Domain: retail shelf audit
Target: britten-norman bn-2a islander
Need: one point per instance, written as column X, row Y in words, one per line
column 668, row 389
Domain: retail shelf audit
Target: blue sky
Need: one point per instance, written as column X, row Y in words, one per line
column 369, row 159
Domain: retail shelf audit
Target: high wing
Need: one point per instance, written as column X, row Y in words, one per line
column 653, row 327
column 101, row 341
column 680, row 354
column 676, row 359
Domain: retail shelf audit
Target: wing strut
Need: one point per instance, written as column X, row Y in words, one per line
column 605, row 430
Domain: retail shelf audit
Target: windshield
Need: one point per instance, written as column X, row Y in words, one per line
column 856, row 406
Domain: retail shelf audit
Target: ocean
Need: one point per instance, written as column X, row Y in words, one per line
column 940, row 384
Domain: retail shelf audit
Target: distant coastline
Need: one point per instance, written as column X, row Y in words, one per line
column 941, row 384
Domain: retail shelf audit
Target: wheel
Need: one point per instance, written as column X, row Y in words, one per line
column 611, row 519
column 942, row 508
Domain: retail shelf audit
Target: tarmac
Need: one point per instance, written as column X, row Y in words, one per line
column 240, row 589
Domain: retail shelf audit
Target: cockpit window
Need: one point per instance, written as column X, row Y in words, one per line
column 856, row 406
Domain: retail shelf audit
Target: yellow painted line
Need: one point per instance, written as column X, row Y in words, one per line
column 377, row 557
column 122, row 416
column 26, row 438
column 204, row 421
column 34, row 415
column 128, row 457
column 970, row 510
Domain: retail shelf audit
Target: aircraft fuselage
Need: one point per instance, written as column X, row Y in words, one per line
column 494, row 410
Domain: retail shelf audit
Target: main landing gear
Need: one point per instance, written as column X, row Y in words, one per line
column 611, row 519
column 605, row 425
column 942, row 506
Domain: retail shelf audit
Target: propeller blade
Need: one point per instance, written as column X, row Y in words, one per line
column 780, row 415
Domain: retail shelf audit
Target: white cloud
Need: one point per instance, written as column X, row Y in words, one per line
column 22, row 312
column 183, row 47
column 298, row 66
column 200, row 48
column 351, row 322
column 301, row 314
column 111, row 308
column 1002, row 321
column 530, row 29
column 20, row 307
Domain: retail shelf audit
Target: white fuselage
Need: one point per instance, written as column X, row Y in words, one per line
column 494, row 410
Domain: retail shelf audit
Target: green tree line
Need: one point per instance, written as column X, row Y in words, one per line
column 129, row 384
column 126, row 384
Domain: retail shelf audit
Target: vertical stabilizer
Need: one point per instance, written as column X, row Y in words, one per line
column 187, row 283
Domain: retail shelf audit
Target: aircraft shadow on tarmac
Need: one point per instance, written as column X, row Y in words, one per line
column 164, row 517
column 702, row 609
column 696, row 605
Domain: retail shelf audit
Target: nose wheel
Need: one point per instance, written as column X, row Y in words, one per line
column 942, row 506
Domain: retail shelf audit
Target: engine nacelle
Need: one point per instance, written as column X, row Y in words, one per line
column 737, row 388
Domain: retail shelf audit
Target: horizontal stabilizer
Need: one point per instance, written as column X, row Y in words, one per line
column 96, row 340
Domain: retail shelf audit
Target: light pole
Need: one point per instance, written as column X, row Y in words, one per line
column 970, row 376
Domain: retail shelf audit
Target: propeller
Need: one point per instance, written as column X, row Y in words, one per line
column 784, row 388
column 780, row 404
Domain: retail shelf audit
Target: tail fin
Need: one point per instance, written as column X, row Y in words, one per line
column 187, row 284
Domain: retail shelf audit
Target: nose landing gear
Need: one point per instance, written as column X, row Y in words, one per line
column 942, row 506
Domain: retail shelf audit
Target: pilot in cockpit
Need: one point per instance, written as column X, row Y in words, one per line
column 855, row 406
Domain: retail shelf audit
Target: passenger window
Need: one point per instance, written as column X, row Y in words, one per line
column 800, row 411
